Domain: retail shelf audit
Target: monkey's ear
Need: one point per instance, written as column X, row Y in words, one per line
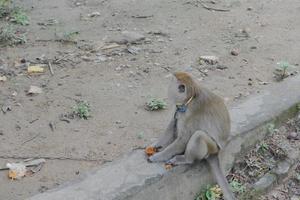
column 181, row 88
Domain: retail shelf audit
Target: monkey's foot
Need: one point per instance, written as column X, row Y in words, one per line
column 179, row 160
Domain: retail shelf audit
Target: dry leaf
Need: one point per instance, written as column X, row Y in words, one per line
column 16, row 170
column 35, row 69
column 150, row 151
column 168, row 166
column 3, row 78
column 34, row 90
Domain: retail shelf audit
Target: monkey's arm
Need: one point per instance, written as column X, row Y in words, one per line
column 175, row 148
column 167, row 138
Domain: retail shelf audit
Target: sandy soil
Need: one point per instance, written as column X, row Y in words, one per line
column 117, row 83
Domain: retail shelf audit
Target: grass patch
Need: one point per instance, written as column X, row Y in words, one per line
column 67, row 37
column 210, row 193
column 10, row 36
column 156, row 104
column 82, row 110
column 18, row 16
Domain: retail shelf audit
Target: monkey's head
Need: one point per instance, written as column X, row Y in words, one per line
column 182, row 87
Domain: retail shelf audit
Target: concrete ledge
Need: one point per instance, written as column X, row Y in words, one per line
column 133, row 178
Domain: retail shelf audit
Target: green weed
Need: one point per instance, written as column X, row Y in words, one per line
column 10, row 36
column 19, row 16
column 156, row 104
column 82, row 110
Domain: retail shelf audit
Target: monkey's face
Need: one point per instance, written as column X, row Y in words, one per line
column 177, row 91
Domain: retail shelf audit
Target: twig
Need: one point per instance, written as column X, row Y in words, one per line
column 141, row 16
column 62, row 58
column 50, row 68
column 213, row 9
column 17, row 157
column 31, row 138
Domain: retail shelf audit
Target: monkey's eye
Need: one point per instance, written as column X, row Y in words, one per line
column 181, row 88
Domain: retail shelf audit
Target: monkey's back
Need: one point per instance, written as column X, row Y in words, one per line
column 212, row 116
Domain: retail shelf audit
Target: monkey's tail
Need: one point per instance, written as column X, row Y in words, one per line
column 214, row 163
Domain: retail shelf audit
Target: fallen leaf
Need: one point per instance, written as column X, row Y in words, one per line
column 16, row 170
column 3, row 78
column 34, row 90
column 110, row 46
column 168, row 166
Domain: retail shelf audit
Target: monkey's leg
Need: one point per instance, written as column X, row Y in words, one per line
column 179, row 160
column 197, row 148
column 175, row 148
column 167, row 138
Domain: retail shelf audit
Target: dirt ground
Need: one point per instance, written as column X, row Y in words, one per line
column 117, row 82
column 278, row 146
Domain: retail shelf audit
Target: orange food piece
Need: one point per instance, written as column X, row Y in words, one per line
column 150, row 151
column 168, row 166
column 12, row 174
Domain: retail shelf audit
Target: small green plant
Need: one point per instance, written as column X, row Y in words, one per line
column 271, row 128
column 5, row 2
column 4, row 11
column 263, row 147
column 237, row 187
column 210, row 193
column 281, row 70
column 67, row 37
column 140, row 135
column 19, row 16
column 156, row 104
column 82, row 110
column 10, row 36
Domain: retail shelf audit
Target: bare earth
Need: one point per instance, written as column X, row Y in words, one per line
column 117, row 83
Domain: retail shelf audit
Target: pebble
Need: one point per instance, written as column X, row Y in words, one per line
column 94, row 14
column 234, row 52
column 132, row 37
column 222, row 67
column 293, row 136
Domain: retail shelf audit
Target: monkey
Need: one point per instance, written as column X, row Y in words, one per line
column 199, row 130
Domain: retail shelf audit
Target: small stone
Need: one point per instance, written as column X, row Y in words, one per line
column 85, row 58
column 265, row 182
column 282, row 168
column 101, row 58
column 222, row 67
column 118, row 122
column 94, row 14
column 132, row 37
column 234, row 52
column 14, row 94
column 293, row 136
column 253, row 47
column 118, row 68
column 249, row 8
column 133, row 50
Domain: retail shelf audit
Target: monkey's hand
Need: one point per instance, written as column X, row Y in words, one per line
column 156, row 158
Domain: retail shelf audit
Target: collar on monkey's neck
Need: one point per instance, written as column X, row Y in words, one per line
column 183, row 107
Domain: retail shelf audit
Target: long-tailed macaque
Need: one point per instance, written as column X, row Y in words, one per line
column 199, row 129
